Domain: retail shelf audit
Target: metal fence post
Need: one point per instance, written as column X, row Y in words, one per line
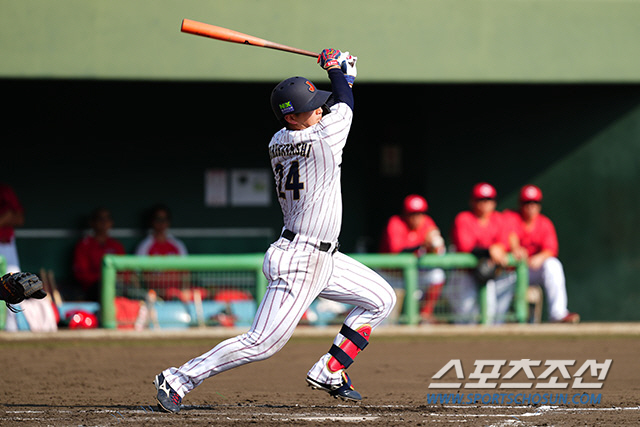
column 261, row 285
column 108, row 293
column 411, row 304
column 521, row 305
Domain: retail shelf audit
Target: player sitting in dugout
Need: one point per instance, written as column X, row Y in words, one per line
column 480, row 231
column 533, row 238
column 414, row 231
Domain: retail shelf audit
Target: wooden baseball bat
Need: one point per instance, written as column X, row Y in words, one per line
column 49, row 279
column 227, row 35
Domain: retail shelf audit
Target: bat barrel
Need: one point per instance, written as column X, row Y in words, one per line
column 225, row 34
column 220, row 33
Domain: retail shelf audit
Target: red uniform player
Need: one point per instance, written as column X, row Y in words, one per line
column 161, row 242
column 533, row 237
column 481, row 231
column 88, row 253
column 11, row 216
column 416, row 232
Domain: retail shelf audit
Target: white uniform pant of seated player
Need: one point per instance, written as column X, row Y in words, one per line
column 462, row 292
column 551, row 277
column 296, row 279
column 10, row 253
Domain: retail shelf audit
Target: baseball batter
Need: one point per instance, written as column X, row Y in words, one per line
column 304, row 263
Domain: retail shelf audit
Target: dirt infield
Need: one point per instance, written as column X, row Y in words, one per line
column 104, row 378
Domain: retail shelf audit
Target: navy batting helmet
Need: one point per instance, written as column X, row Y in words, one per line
column 296, row 95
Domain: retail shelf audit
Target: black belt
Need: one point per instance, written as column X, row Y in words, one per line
column 323, row 246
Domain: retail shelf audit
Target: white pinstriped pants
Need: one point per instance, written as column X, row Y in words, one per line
column 296, row 278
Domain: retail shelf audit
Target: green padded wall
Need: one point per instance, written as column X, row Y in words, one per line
column 399, row 41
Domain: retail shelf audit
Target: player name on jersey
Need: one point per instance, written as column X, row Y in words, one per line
column 296, row 149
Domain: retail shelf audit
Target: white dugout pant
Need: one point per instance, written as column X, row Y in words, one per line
column 296, row 278
column 551, row 277
column 462, row 292
column 10, row 253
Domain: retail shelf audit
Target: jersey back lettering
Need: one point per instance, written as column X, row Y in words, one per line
column 306, row 167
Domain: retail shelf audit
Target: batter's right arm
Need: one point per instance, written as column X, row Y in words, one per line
column 341, row 90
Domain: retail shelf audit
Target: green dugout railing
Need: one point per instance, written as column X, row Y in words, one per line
column 407, row 263
column 465, row 260
column 111, row 264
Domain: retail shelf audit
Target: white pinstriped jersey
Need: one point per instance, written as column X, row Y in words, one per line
column 306, row 166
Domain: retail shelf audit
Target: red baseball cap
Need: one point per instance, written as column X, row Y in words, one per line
column 483, row 190
column 530, row 193
column 415, row 204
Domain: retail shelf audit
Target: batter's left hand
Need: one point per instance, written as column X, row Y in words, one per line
column 348, row 66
